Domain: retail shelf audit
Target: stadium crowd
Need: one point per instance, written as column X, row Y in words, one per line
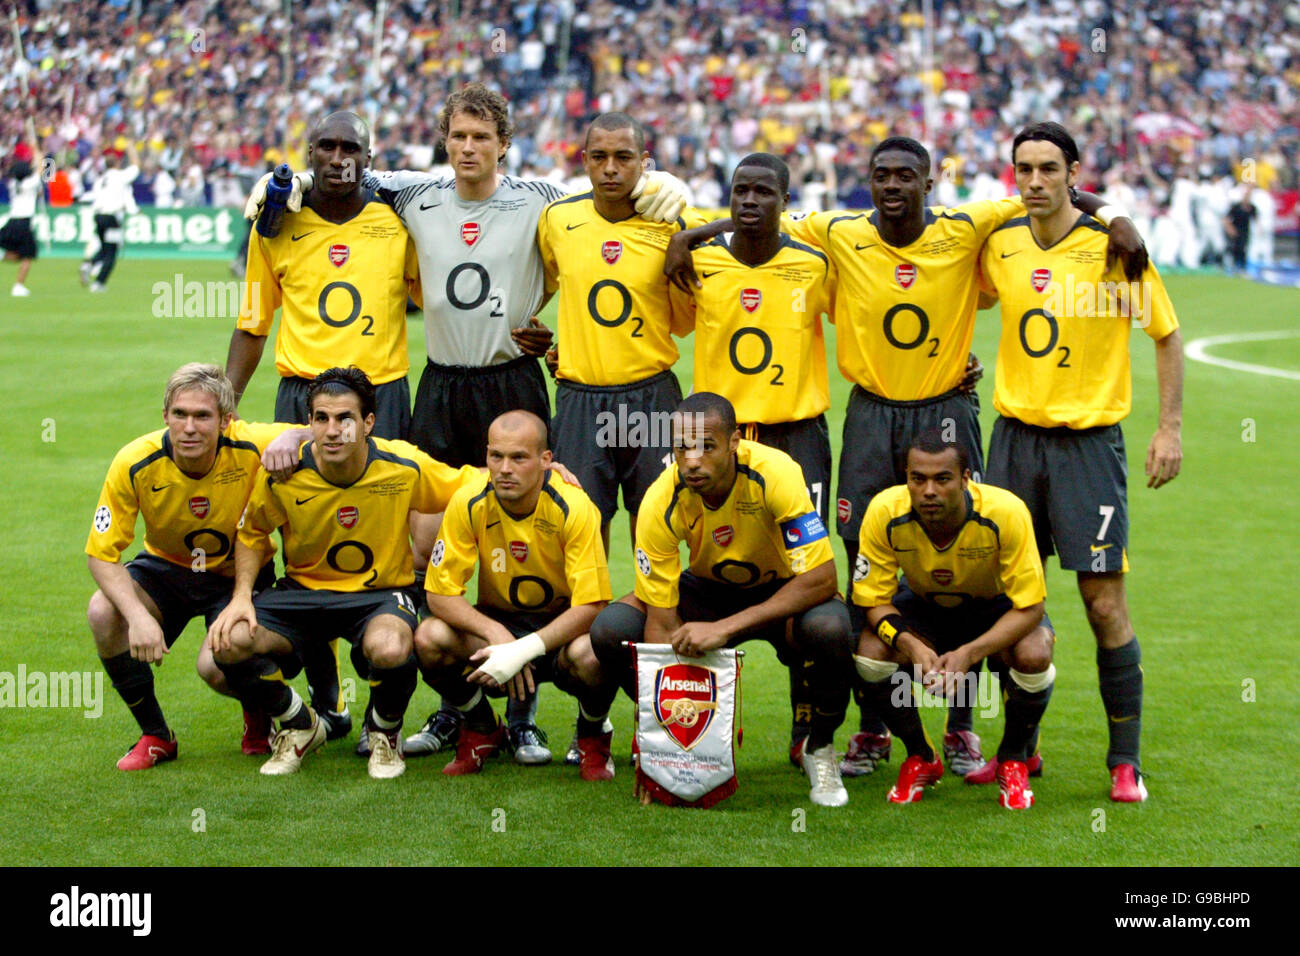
column 1176, row 105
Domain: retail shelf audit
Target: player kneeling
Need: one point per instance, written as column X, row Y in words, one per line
column 542, row 581
column 972, row 589
column 348, row 571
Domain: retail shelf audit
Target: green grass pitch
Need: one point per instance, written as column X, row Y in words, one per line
column 1212, row 594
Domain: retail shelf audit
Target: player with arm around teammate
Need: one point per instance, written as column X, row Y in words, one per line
column 189, row 482
column 1062, row 387
column 542, row 580
column 972, row 589
column 343, row 518
column 760, row 567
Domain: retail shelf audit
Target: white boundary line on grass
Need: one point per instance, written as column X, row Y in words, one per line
column 1198, row 350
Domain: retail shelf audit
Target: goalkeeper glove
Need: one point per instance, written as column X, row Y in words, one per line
column 302, row 182
column 660, row 196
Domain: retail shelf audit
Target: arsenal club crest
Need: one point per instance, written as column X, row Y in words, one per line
column 686, row 698
column 750, row 299
column 844, row 508
column 1039, row 278
column 905, row 274
column 723, row 535
column 942, row 576
column 520, row 550
column 199, row 507
column 347, row 516
column 469, row 233
column 339, row 254
column 610, row 250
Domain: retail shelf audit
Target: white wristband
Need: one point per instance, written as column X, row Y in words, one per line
column 1109, row 213
column 506, row 660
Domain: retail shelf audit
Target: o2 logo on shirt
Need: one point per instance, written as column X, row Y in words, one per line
column 103, row 518
column 643, row 562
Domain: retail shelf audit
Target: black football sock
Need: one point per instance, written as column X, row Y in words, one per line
column 869, row 721
column 961, row 710
column 521, row 712
column 296, row 715
column 321, row 662
column 133, row 680
column 1119, row 672
column 391, row 689
column 801, row 707
column 1024, row 712
column 894, row 698
column 258, row 684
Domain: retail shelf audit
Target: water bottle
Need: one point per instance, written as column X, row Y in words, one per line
column 278, row 190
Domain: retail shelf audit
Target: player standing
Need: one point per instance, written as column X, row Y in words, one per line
column 189, row 482
column 341, row 269
column 16, row 238
column 906, row 304
column 542, row 580
column 348, row 571
column 1062, row 387
column 760, row 567
column 972, row 589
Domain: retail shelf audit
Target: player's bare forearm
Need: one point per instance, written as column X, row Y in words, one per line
column 248, row 562
column 242, row 358
column 1165, row 454
column 460, row 615
column 1015, row 624
column 660, row 623
column 574, row 622
column 801, row 592
column 678, row 266
column 1087, row 202
column 114, row 580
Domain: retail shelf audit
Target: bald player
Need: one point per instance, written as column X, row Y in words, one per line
column 542, row 580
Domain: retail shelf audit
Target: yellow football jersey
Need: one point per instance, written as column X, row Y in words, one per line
column 545, row 561
column 994, row 552
column 343, row 288
column 767, row 529
column 1063, row 358
column 614, row 316
column 906, row 314
column 190, row 522
column 347, row 539
column 758, row 330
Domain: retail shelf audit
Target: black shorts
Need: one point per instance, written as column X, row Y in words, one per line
column 302, row 615
column 392, row 406
column 455, row 405
column 700, row 599
column 521, row 624
column 877, row 431
column 181, row 594
column 948, row 628
column 17, row 237
column 808, row 442
column 1075, row 483
column 615, row 436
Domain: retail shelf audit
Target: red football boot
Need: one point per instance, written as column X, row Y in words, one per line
column 473, row 749
column 913, row 777
column 148, row 751
column 1013, row 783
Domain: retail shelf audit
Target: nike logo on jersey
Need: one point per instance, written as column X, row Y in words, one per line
column 303, row 236
column 571, row 228
column 693, row 523
column 901, row 550
column 710, row 275
column 161, row 487
column 1098, row 547
column 859, row 248
column 1008, row 255
column 303, row 501
column 424, row 206
column 493, row 524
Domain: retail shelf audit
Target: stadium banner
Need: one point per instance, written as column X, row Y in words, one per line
column 687, row 717
column 197, row 232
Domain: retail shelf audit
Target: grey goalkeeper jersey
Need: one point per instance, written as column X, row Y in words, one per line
column 479, row 265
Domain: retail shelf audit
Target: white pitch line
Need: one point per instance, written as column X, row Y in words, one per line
column 1198, row 350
